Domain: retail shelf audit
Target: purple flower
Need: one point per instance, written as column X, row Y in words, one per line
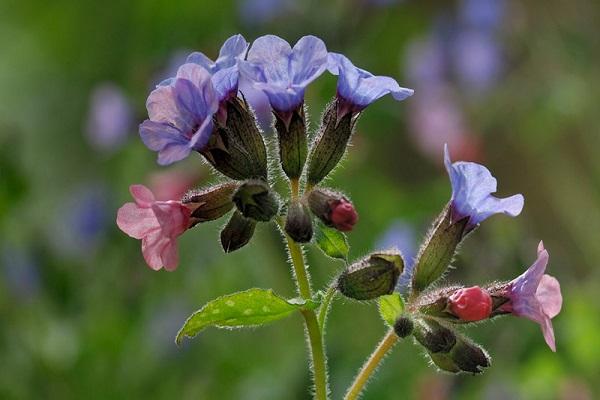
column 180, row 114
column 357, row 88
column 472, row 188
column 224, row 70
column 110, row 117
column 535, row 296
column 282, row 72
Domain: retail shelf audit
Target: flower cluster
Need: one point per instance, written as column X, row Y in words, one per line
column 202, row 110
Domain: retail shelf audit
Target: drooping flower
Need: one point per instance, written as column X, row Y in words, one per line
column 224, row 70
column 180, row 114
column 472, row 188
column 471, row 304
column 157, row 224
column 535, row 296
column 283, row 72
column 357, row 88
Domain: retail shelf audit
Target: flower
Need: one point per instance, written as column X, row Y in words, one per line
column 157, row 224
column 110, row 117
column 180, row 114
column 224, row 70
column 357, row 88
column 472, row 188
column 283, row 72
column 535, row 296
column 471, row 304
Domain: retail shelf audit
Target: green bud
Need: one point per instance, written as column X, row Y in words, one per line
column 435, row 337
column 373, row 276
column 444, row 362
column 255, row 200
column 242, row 125
column 293, row 145
column 437, row 251
column 237, row 233
column 298, row 222
column 403, row 326
column 330, row 145
column 210, row 203
column 470, row 357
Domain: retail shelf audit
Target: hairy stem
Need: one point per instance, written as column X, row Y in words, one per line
column 324, row 308
column 386, row 344
column 313, row 331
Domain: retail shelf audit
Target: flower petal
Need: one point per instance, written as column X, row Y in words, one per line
column 308, row 61
column 548, row 332
column 234, row 47
column 153, row 246
column 549, row 296
column 142, row 195
column 271, row 53
column 135, row 221
column 170, row 255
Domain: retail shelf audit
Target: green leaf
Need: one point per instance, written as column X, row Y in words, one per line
column 251, row 307
column 391, row 307
column 332, row 242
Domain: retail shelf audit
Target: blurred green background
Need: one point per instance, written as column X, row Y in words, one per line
column 511, row 84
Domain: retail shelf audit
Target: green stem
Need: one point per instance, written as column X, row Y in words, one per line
column 317, row 350
column 386, row 344
column 324, row 309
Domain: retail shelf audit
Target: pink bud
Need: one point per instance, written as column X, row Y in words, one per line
column 471, row 304
column 343, row 215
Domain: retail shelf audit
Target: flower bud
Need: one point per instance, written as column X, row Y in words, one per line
column 237, row 233
column 469, row 357
column 435, row 337
column 471, row 304
column 333, row 209
column 330, row 145
column 227, row 153
column 373, row 276
column 438, row 250
column 210, row 203
column 298, row 222
column 403, row 326
column 293, row 145
column 255, row 200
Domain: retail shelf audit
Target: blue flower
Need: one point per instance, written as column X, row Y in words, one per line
column 283, row 73
column 357, row 88
column 180, row 114
column 224, row 70
column 472, row 188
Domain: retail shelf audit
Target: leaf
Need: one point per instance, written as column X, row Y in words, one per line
column 251, row 307
column 390, row 307
column 332, row 242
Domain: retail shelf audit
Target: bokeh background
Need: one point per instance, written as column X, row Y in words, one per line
column 511, row 84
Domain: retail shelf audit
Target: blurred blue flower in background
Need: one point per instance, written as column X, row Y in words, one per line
column 21, row 272
column 110, row 118
column 401, row 235
column 258, row 12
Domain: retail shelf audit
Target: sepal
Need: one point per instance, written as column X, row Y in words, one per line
column 373, row 276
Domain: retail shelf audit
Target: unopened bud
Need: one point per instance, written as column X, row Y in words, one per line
column 471, row 304
column 237, row 233
column 470, row 357
column 293, row 145
column 403, row 326
column 298, row 222
column 437, row 251
column 373, row 276
column 255, row 200
column 435, row 337
column 330, row 145
column 333, row 209
column 210, row 203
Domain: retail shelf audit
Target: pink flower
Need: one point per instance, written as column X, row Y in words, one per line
column 157, row 224
column 343, row 215
column 471, row 304
column 535, row 296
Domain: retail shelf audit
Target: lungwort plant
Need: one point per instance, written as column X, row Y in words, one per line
column 200, row 110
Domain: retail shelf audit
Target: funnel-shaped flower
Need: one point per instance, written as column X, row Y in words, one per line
column 357, row 88
column 283, row 72
column 180, row 114
column 472, row 188
column 157, row 224
column 224, row 70
column 535, row 296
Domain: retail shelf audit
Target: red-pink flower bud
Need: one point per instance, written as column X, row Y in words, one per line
column 471, row 304
column 343, row 215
